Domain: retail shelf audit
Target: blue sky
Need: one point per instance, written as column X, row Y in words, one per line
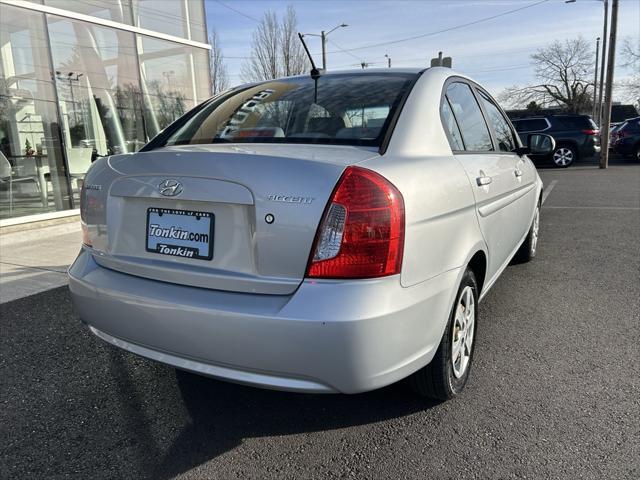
column 494, row 52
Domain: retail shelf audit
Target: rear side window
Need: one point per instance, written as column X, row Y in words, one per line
column 631, row 126
column 530, row 125
column 450, row 124
column 576, row 123
column 466, row 110
column 500, row 125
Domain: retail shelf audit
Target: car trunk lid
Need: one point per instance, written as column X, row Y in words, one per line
column 261, row 204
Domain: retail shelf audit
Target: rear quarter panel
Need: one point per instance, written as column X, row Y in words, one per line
column 441, row 227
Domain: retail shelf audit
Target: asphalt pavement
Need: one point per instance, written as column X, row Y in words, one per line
column 554, row 391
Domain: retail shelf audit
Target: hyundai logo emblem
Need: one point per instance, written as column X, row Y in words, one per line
column 170, row 188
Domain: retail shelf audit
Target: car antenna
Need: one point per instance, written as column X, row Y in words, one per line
column 315, row 73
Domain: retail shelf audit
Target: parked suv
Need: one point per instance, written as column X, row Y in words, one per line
column 626, row 139
column 576, row 136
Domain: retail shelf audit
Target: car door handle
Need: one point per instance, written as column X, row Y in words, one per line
column 483, row 180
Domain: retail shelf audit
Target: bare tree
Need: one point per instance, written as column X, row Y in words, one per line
column 294, row 60
column 629, row 87
column 219, row 76
column 263, row 63
column 564, row 71
column 275, row 51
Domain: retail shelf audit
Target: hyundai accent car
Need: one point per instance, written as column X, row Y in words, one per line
column 329, row 233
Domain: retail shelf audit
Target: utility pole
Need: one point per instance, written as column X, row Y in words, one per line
column 603, row 66
column 606, row 118
column 388, row 60
column 594, row 111
column 598, row 111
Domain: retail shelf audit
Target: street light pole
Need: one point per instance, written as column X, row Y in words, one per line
column 606, row 119
column 323, row 38
column 70, row 78
column 594, row 110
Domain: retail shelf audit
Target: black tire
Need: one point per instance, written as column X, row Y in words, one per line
column 564, row 156
column 437, row 379
column 529, row 247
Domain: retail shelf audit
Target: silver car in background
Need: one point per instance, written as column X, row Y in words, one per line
column 330, row 234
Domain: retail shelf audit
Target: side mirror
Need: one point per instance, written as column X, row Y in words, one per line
column 540, row 144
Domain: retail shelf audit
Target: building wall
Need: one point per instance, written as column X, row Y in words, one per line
column 79, row 80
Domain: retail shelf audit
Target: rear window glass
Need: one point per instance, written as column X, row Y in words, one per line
column 576, row 123
column 337, row 109
column 530, row 125
column 631, row 126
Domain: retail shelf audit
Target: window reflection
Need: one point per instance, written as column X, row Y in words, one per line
column 32, row 176
column 100, row 102
column 174, row 79
column 85, row 91
column 116, row 10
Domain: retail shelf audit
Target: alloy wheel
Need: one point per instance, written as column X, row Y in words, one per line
column 534, row 231
column 463, row 332
column 563, row 156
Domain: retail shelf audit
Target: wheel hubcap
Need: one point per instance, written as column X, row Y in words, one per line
column 534, row 231
column 563, row 156
column 463, row 331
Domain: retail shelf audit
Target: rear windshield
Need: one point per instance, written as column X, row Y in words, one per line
column 336, row 109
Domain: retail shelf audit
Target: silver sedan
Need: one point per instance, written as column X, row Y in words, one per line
column 312, row 234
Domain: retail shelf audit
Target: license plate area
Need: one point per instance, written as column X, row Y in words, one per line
column 180, row 233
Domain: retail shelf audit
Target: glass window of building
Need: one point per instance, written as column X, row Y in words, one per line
column 74, row 90
column 115, row 10
column 32, row 173
column 99, row 91
column 165, row 17
column 180, row 18
column 174, row 80
column 197, row 22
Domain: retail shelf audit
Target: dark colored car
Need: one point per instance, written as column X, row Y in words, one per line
column 627, row 138
column 576, row 136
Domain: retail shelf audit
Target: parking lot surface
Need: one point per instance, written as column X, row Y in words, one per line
column 554, row 391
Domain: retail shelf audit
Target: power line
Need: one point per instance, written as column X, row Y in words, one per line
column 343, row 50
column 237, row 11
column 455, row 27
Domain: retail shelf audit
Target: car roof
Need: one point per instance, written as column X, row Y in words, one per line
column 438, row 72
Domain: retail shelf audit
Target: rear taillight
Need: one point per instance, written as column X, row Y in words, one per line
column 362, row 231
column 591, row 132
column 84, row 204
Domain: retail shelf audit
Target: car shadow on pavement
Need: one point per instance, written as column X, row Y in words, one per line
column 223, row 414
column 79, row 407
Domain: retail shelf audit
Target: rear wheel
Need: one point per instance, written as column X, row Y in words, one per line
column 447, row 374
column 529, row 247
column 563, row 156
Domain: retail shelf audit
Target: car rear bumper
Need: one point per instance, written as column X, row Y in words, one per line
column 329, row 336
